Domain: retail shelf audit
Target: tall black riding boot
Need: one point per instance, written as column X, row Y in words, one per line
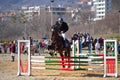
column 64, row 42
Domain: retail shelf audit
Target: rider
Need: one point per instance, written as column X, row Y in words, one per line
column 63, row 27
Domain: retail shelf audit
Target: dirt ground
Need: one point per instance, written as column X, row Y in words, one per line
column 8, row 71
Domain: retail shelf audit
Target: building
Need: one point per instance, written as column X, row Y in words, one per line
column 57, row 10
column 6, row 15
column 98, row 8
column 101, row 8
column 31, row 11
column 37, row 10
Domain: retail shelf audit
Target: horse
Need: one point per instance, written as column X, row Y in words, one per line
column 58, row 45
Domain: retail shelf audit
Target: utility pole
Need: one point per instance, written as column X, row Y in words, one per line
column 89, row 23
column 51, row 9
column 119, row 20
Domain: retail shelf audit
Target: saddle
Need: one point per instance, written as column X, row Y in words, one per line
column 65, row 43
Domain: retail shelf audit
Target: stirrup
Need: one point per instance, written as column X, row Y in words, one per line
column 64, row 51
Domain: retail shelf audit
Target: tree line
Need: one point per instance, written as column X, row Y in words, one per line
column 38, row 26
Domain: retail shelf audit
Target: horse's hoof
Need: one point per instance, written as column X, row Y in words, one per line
column 63, row 66
column 51, row 54
column 55, row 54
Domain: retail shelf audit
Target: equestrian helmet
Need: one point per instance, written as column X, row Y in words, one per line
column 60, row 19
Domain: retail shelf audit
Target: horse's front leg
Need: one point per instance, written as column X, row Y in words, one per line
column 67, row 55
column 62, row 58
column 69, row 62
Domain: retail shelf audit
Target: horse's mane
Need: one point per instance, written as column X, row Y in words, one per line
column 55, row 31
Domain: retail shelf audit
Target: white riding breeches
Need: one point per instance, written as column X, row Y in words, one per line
column 63, row 35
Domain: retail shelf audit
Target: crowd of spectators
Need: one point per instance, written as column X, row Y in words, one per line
column 8, row 47
column 86, row 39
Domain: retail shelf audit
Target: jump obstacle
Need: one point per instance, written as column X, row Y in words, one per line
column 21, row 70
column 76, row 61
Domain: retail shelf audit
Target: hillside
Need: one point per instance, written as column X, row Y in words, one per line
column 15, row 4
column 116, row 4
column 6, row 5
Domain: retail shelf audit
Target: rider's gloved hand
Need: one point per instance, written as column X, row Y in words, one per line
column 61, row 32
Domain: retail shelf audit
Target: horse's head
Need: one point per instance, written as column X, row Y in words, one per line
column 55, row 29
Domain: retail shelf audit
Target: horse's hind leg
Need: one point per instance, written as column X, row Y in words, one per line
column 69, row 60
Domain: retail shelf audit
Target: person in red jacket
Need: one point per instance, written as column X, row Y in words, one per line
column 12, row 51
column 101, row 41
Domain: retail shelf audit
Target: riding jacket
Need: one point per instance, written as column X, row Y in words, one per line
column 63, row 26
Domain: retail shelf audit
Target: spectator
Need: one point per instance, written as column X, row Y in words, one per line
column 118, row 47
column 75, row 36
column 101, row 41
column 31, row 40
column 80, row 35
column 43, row 44
column 0, row 47
column 97, row 47
column 16, row 47
column 83, row 39
column 87, row 37
column 12, row 51
column 9, row 44
column 5, row 47
column 23, row 38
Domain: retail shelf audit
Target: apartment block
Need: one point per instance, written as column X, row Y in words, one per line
column 101, row 8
